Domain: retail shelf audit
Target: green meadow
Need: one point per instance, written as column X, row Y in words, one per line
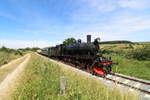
column 6, row 55
column 133, row 58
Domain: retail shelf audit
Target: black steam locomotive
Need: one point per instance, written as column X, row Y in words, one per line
column 83, row 55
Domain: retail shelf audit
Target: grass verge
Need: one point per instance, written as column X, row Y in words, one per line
column 40, row 81
column 132, row 67
column 8, row 68
column 6, row 57
column 133, row 59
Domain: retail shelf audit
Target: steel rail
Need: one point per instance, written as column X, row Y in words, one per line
column 115, row 81
column 136, row 80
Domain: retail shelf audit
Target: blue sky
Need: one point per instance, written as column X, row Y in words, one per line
column 29, row 23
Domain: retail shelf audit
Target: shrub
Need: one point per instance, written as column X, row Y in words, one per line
column 6, row 55
column 106, row 51
column 18, row 52
column 139, row 54
column 3, row 48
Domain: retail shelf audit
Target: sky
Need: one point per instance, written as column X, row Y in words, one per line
column 42, row 23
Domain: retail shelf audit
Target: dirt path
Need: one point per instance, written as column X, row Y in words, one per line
column 7, row 85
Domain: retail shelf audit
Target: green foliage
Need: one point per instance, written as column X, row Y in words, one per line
column 131, row 67
column 142, row 53
column 106, row 51
column 34, row 49
column 132, row 61
column 4, row 59
column 130, row 46
column 3, row 48
column 69, row 40
column 139, row 54
column 6, row 55
column 116, row 42
column 18, row 52
column 41, row 79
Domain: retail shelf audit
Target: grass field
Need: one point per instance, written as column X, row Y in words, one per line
column 125, row 46
column 7, row 69
column 129, row 66
column 7, row 54
column 40, row 81
column 6, row 57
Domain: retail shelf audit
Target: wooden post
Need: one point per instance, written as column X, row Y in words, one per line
column 63, row 83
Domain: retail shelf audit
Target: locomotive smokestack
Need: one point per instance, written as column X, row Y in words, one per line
column 88, row 38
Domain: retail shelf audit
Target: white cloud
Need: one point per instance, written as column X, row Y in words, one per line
column 105, row 19
column 102, row 5
column 24, row 44
column 135, row 4
column 117, row 27
column 99, row 10
column 93, row 10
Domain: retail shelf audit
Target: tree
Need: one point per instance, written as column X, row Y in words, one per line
column 35, row 48
column 3, row 48
column 69, row 40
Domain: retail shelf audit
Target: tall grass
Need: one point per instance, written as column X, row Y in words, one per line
column 5, row 71
column 6, row 55
column 132, row 67
column 133, row 59
column 41, row 79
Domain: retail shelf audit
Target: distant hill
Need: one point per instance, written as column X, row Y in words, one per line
column 142, row 42
column 115, row 42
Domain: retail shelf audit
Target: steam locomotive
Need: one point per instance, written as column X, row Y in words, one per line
column 84, row 55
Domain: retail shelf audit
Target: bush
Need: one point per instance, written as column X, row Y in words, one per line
column 116, row 42
column 116, row 52
column 139, row 54
column 18, row 52
column 106, row 51
column 6, row 55
column 3, row 48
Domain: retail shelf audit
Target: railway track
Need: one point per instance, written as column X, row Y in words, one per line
column 131, row 78
column 134, row 83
